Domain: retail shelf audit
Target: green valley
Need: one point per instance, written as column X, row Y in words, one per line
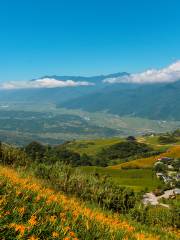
column 21, row 123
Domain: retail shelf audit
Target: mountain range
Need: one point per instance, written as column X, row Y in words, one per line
column 57, row 94
column 153, row 101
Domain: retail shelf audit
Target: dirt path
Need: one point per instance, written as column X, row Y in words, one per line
column 152, row 199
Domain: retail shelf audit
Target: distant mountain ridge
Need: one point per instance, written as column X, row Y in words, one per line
column 153, row 101
column 57, row 95
column 94, row 79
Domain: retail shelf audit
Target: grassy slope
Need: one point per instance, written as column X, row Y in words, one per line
column 154, row 142
column 173, row 152
column 32, row 211
column 137, row 179
column 92, row 147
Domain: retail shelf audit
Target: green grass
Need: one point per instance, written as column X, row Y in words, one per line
column 92, row 147
column 144, row 163
column 154, row 142
column 32, row 210
column 172, row 202
column 137, row 179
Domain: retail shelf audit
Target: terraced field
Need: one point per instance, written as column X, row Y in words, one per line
column 143, row 163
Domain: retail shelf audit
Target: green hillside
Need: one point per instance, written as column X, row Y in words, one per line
column 137, row 179
column 153, row 101
column 92, row 147
column 46, row 192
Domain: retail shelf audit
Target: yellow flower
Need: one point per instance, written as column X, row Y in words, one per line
column 66, row 229
column 21, row 229
column 1, row 201
column 21, row 210
column 52, row 219
column 33, row 238
column 18, row 227
column 38, row 198
column 140, row 236
column 32, row 221
column 87, row 225
column 55, row 234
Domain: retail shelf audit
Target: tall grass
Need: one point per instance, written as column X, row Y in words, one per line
column 94, row 188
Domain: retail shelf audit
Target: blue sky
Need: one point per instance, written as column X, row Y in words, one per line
column 78, row 37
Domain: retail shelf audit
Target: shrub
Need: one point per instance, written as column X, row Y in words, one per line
column 124, row 150
column 168, row 138
column 156, row 215
column 94, row 188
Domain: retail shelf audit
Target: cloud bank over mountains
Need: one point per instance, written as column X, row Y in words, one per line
column 164, row 75
column 42, row 83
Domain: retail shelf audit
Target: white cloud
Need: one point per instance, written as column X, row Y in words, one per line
column 168, row 74
column 42, row 83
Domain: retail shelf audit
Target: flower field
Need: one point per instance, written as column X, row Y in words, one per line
column 28, row 210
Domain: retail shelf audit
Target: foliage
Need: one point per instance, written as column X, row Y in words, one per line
column 136, row 179
column 176, row 133
column 173, row 152
column 94, row 188
column 32, row 211
column 160, row 167
column 35, row 150
column 48, row 154
column 157, row 215
column 176, row 164
column 122, row 150
column 131, row 138
column 28, row 211
column 167, row 138
column 11, row 155
column 61, row 153
column 125, row 150
column 50, row 165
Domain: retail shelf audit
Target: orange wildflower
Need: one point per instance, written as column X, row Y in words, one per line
column 113, row 222
column 38, row 198
column 140, row 236
column 32, row 221
column 55, row 234
column 21, row 210
column 33, row 238
column 63, row 216
column 67, row 229
column 18, row 227
column 72, row 234
column 52, row 219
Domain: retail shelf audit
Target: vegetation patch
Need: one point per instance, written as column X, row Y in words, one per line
column 30, row 211
column 173, row 152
